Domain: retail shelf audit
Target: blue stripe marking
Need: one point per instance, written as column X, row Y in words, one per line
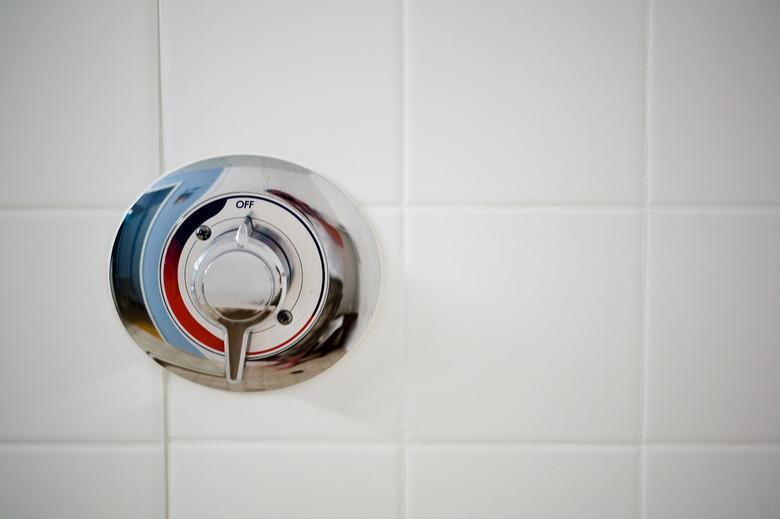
column 192, row 186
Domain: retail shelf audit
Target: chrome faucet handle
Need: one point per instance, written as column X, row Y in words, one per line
column 245, row 273
column 237, row 283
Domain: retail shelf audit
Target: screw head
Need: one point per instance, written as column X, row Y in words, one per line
column 203, row 232
column 284, row 317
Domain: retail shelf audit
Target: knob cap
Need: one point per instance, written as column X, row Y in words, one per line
column 238, row 285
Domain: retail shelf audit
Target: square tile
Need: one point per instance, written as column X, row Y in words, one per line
column 713, row 327
column 466, row 482
column 78, row 94
column 69, row 370
column 82, row 482
column 315, row 83
column 359, row 397
column 524, row 325
column 527, row 101
column 241, row 480
column 712, row 483
column 714, row 121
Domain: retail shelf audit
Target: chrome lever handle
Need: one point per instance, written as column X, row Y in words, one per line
column 236, row 343
column 238, row 282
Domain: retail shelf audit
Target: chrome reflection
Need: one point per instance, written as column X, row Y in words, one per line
column 352, row 270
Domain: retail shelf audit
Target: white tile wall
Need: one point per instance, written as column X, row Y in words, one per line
column 82, row 482
column 243, row 480
column 487, row 481
column 78, row 98
column 69, row 371
column 543, row 99
column 579, row 211
column 715, row 118
column 524, row 325
column 716, row 483
column 714, row 326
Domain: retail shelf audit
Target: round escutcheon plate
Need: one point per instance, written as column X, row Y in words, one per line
column 244, row 273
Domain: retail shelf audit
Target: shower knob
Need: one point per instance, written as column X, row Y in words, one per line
column 244, row 273
column 237, row 282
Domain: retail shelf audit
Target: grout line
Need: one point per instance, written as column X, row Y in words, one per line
column 286, row 442
column 403, row 106
column 76, row 443
column 523, row 203
column 406, row 400
column 404, row 331
column 519, row 207
column 63, row 208
column 529, row 207
column 524, row 444
column 336, row 443
column 644, row 277
column 530, row 445
column 543, row 444
column 368, row 443
column 166, row 442
column 160, row 150
column 712, row 445
column 712, row 208
column 161, row 166
column 584, row 207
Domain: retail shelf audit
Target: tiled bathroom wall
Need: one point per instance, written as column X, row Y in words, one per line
column 578, row 205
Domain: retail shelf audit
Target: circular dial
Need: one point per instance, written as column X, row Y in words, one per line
column 233, row 264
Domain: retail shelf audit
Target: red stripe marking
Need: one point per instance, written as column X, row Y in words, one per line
column 175, row 301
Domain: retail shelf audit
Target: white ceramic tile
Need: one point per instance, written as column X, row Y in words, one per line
column 359, row 397
column 557, row 483
column 712, row 483
column 316, row 83
column 714, row 122
column 713, row 355
column 244, row 480
column 524, row 324
column 69, row 370
column 534, row 100
column 78, row 97
column 82, row 482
